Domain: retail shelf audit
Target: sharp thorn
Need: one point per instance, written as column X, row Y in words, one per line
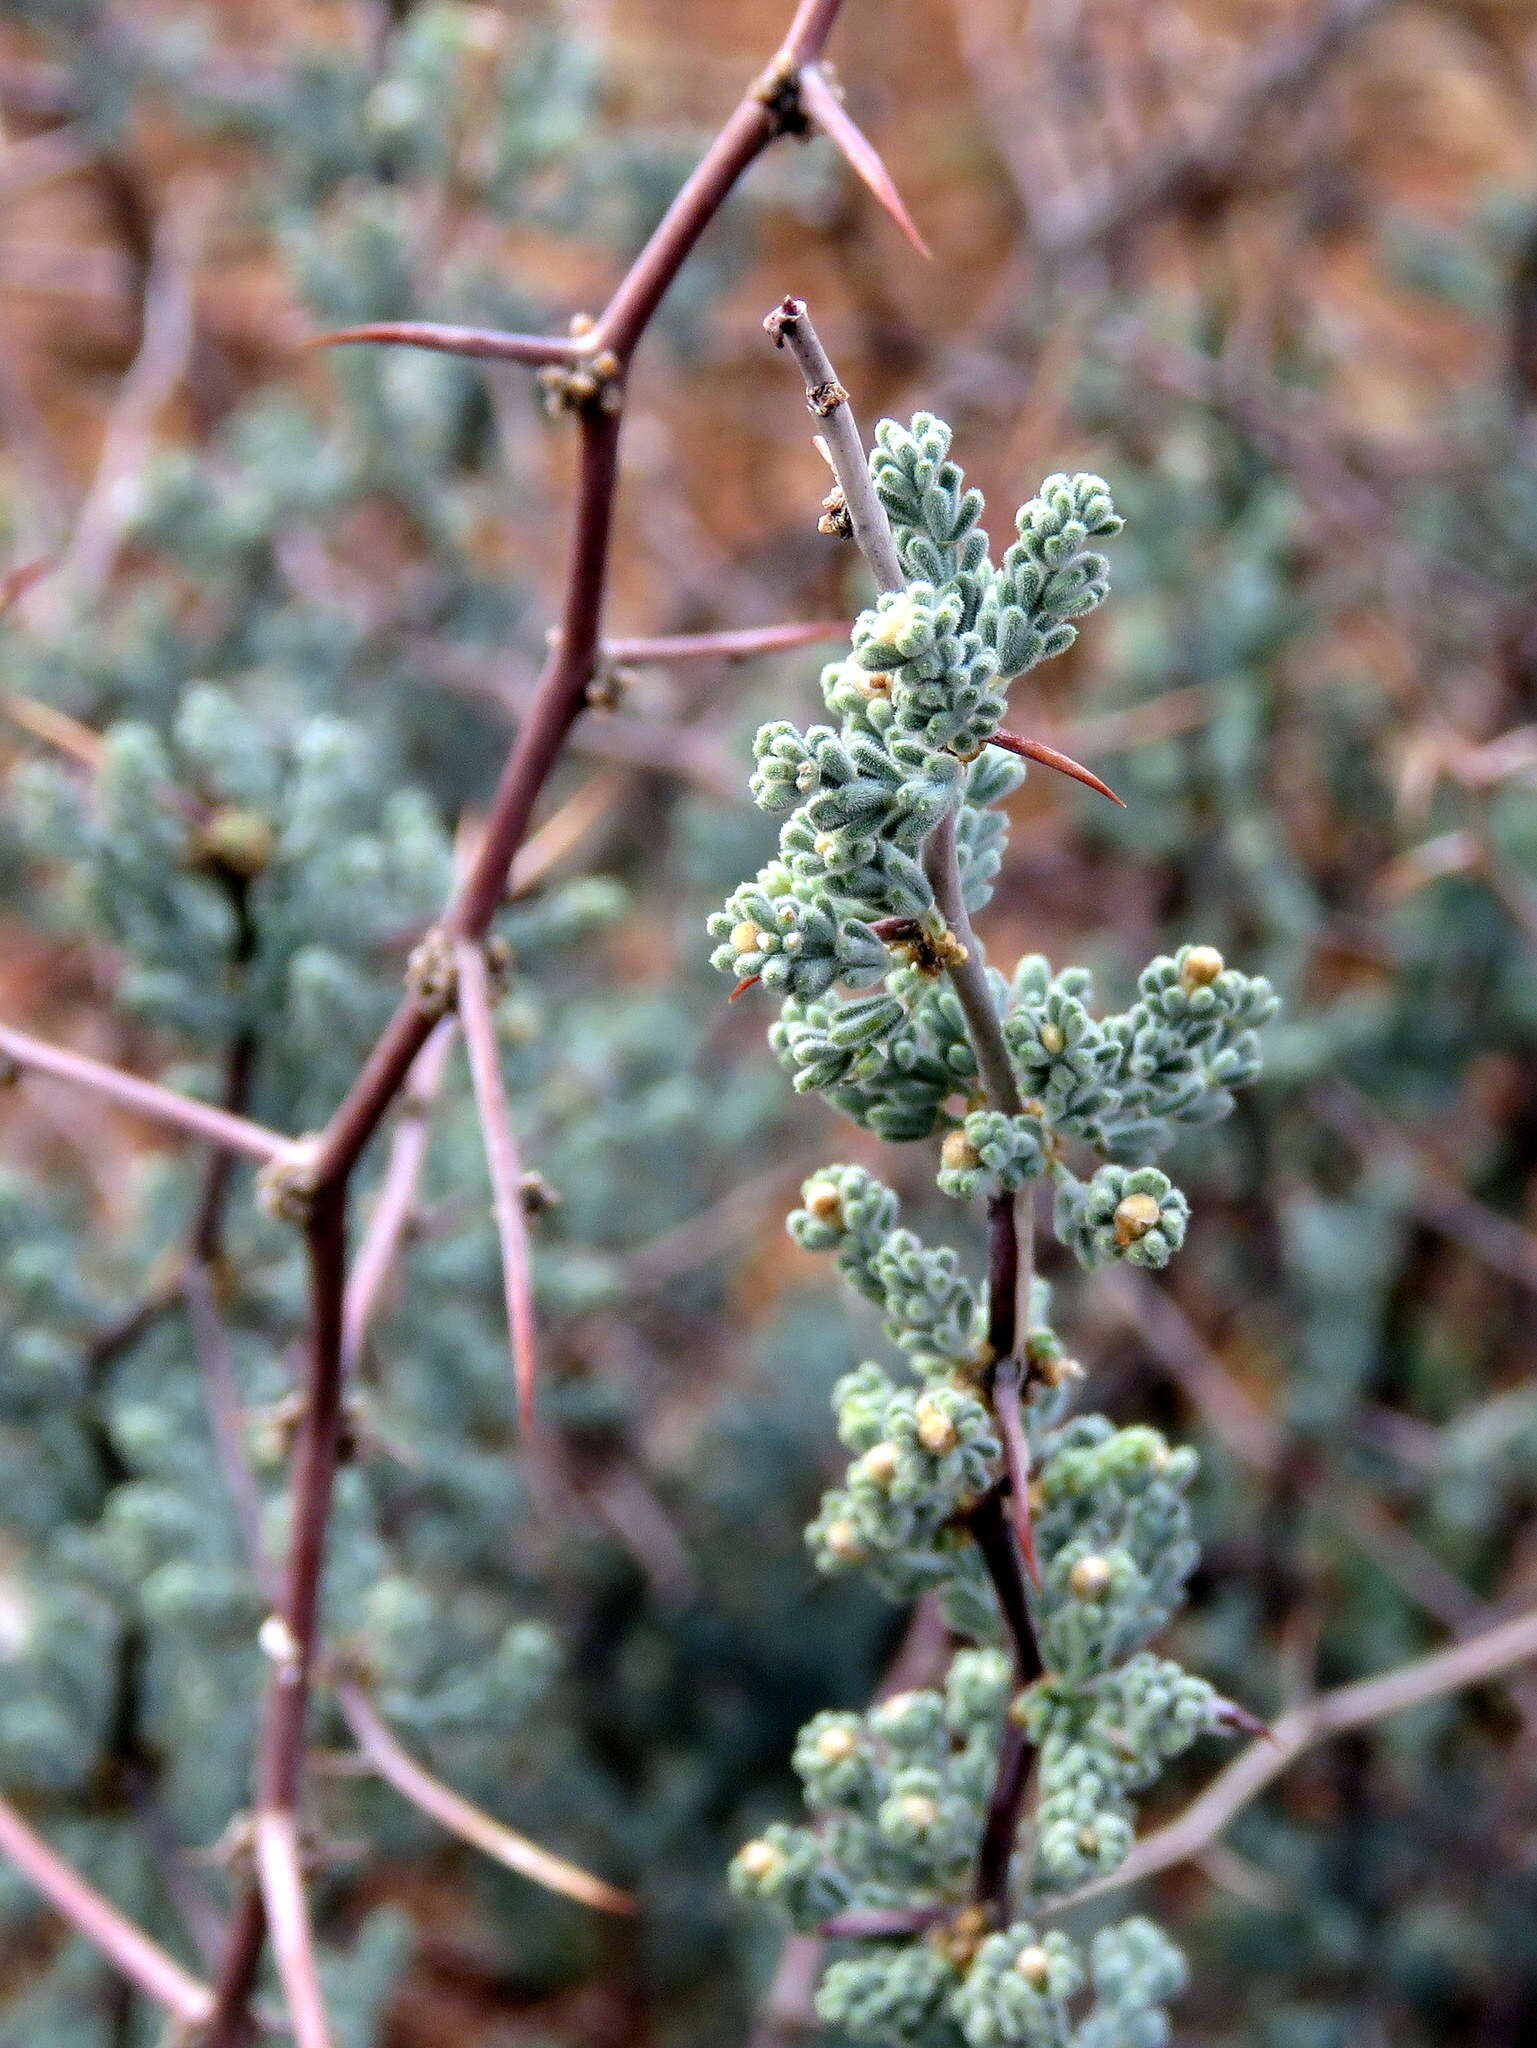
column 1049, row 757
column 826, row 111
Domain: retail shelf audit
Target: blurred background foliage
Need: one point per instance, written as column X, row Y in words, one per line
column 1271, row 267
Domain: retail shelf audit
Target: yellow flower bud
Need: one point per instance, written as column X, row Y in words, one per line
column 919, row 1810
column 896, row 620
column 759, row 1860
column 745, row 937
column 238, row 840
column 957, row 1154
column 836, row 1745
column 936, row 1431
column 1090, row 1578
column 1134, row 1218
column 882, row 1463
column 1202, row 965
column 1034, row 1965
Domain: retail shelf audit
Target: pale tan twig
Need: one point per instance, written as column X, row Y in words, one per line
column 1484, row 1656
column 471, row 1823
column 145, row 1098
column 280, row 1870
column 165, row 351
column 390, row 1218
column 143, row 1962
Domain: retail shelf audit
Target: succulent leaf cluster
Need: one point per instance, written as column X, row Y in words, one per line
column 845, row 928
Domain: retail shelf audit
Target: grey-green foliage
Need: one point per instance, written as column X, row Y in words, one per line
column 847, row 904
column 898, row 1798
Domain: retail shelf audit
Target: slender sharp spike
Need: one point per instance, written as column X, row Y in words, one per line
column 825, row 110
column 15, row 583
column 486, row 342
column 477, row 1020
column 1231, row 1715
column 1016, row 1461
column 1037, row 750
column 747, row 982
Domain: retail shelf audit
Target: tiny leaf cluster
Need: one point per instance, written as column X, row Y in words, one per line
column 845, row 926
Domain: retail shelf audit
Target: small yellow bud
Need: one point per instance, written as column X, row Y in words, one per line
column 759, row 1860
column 824, row 1202
column 957, row 1154
column 882, row 1463
column 1057, row 1372
column 1202, row 965
column 1034, row 1965
column 896, row 620
column 1088, row 1841
column 936, row 1431
column 842, row 1539
column 1134, row 1218
column 836, row 1745
column 745, row 937
column 919, row 1810
column 1053, row 1038
column 823, row 845
column 873, row 683
column 580, row 324
column 1090, row 1578
column 238, row 840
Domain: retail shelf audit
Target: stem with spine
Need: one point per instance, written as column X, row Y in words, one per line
column 1010, row 1217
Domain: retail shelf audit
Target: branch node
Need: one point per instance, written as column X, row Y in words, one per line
column 778, row 92
column 538, row 1195
column 593, row 385
column 835, row 520
column 286, row 1186
column 432, row 970
column 608, row 686
column 432, row 973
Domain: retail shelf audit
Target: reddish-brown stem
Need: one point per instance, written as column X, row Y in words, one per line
column 768, row 107
column 230, row 2024
column 143, row 1962
column 562, row 692
column 147, row 1098
column 749, row 129
column 478, row 1020
column 1000, row 1830
column 558, row 703
column 292, row 1645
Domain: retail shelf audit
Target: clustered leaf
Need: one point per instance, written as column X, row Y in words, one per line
column 898, row 1798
